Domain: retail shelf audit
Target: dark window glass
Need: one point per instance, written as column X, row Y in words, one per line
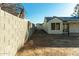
column 55, row 26
column 52, row 26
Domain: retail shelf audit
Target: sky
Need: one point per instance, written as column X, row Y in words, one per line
column 35, row 12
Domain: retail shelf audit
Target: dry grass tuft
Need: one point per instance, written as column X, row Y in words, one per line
column 42, row 44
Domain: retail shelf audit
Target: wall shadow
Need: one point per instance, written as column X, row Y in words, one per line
column 42, row 39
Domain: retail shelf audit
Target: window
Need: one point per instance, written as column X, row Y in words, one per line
column 55, row 26
column 52, row 26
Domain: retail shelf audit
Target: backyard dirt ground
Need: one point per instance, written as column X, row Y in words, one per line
column 43, row 44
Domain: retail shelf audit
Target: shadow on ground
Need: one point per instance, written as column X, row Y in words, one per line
column 41, row 43
column 42, row 39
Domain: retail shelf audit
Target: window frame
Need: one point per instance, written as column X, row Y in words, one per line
column 54, row 26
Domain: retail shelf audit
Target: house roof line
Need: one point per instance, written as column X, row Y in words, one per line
column 63, row 18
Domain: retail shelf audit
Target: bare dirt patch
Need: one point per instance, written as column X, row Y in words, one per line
column 50, row 45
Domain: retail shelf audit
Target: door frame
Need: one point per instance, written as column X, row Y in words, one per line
column 66, row 28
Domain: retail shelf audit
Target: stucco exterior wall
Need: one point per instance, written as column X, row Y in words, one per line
column 13, row 33
column 39, row 26
column 48, row 27
column 74, row 27
column 45, row 26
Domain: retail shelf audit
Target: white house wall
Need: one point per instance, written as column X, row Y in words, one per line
column 39, row 26
column 55, row 31
column 74, row 27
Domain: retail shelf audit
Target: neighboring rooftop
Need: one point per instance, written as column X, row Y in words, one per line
column 12, row 8
column 9, row 7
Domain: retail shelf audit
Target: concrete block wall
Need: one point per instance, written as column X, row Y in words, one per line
column 14, row 33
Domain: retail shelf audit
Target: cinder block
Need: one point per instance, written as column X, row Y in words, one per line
column 13, row 33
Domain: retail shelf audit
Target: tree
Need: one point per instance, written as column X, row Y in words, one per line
column 76, row 11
